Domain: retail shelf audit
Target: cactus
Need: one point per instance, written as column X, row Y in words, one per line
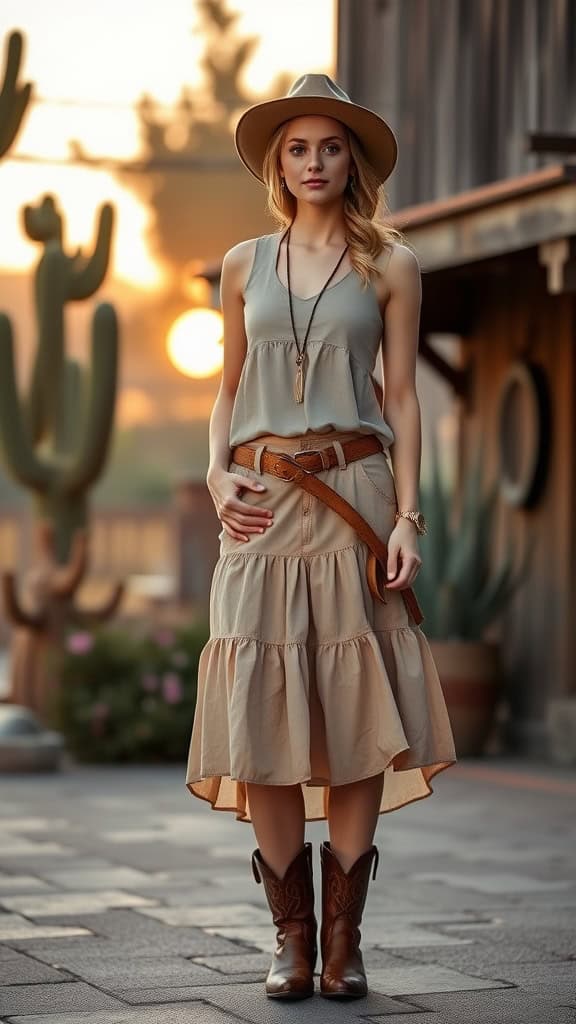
column 14, row 99
column 56, row 441
column 459, row 592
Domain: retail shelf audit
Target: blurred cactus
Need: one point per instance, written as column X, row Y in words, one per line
column 459, row 592
column 56, row 440
column 14, row 99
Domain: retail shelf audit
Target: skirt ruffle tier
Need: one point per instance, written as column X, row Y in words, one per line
column 306, row 678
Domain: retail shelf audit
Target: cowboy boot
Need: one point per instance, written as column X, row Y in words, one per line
column 343, row 898
column 291, row 900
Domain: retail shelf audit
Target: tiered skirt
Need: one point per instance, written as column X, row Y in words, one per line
column 306, row 678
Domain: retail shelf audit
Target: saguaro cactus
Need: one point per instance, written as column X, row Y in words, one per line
column 55, row 440
column 13, row 98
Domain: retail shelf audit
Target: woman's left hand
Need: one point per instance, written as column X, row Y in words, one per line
column 403, row 555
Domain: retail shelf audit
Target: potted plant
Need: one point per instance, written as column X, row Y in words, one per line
column 461, row 595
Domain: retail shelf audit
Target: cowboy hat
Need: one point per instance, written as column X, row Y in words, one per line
column 314, row 94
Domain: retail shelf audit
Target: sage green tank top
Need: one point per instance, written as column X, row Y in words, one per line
column 341, row 352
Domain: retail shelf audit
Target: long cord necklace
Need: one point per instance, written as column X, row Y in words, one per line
column 299, row 381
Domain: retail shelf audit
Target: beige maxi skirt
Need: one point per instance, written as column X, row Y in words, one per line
column 306, row 678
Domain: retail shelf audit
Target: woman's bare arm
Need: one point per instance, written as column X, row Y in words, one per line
column 401, row 406
column 239, row 518
column 235, row 268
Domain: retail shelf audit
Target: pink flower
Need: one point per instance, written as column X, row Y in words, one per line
column 80, row 643
column 171, row 688
column 149, row 682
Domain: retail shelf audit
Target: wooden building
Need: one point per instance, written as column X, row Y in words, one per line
column 482, row 97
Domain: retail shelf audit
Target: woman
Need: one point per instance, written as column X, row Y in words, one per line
column 317, row 693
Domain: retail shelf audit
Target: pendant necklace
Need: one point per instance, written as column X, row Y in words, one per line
column 299, row 381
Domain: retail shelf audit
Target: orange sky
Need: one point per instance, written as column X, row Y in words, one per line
column 89, row 65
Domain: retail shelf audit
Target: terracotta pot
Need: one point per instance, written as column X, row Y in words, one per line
column 470, row 676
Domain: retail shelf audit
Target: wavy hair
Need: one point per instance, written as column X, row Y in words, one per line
column 365, row 207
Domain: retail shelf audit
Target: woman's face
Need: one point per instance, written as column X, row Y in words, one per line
column 315, row 147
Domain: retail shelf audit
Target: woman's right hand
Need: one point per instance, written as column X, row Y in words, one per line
column 238, row 518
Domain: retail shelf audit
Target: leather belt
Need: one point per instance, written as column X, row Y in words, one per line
column 301, row 467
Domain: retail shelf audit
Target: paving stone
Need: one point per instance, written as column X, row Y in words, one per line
column 51, row 999
column 7, row 953
column 184, row 1013
column 249, row 963
column 498, row 1006
column 196, row 895
column 12, row 846
column 547, row 942
column 224, row 913
column 400, row 981
column 21, row 883
column 14, row 926
column 517, row 935
column 172, row 941
column 25, row 971
column 493, row 883
column 249, row 1002
column 136, row 929
column 108, row 878
column 49, row 904
column 373, row 934
column 23, row 824
column 483, row 959
column 554, row 981
column 116, row 973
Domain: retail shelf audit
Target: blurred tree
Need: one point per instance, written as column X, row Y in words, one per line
column 202, row 198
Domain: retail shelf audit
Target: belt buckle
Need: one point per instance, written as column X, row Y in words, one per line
column 306, row 451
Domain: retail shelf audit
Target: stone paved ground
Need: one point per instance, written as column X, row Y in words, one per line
column 125, row 899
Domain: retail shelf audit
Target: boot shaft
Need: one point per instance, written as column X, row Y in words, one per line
column 344, row 892
column 290, row 898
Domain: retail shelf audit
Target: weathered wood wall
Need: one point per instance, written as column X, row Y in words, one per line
column 462, row 82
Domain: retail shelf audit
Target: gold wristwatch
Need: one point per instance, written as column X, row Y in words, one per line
column 416, row 517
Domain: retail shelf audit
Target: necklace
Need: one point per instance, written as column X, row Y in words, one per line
column 299, row 381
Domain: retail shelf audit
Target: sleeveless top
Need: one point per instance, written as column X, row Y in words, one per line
column 341, row 354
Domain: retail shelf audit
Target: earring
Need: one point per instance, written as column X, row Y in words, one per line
column 352, row 183
column 283, row 184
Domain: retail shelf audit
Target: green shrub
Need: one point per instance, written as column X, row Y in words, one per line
column 129, row 694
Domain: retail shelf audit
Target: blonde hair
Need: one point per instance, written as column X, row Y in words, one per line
column 366, row 234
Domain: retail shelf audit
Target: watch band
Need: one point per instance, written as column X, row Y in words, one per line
column 416, row 517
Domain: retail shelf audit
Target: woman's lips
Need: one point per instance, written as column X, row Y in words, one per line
column 315, row 184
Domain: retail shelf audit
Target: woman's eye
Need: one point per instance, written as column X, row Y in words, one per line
column 331, row 145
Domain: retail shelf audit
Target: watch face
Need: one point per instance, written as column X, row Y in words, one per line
column 421, row 521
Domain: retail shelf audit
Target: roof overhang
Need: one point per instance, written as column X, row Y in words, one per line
column 493, row 220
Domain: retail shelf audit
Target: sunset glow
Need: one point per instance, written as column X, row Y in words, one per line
column 87, row 79
column 194, row 343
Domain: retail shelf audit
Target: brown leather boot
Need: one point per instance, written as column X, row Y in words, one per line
column 343, row 898
column 291, row 900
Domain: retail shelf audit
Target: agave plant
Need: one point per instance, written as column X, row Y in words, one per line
column 460, row 592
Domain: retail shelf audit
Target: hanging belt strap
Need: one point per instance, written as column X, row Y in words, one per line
column 285, row 466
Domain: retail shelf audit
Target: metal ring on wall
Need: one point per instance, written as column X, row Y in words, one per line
column 524, row 433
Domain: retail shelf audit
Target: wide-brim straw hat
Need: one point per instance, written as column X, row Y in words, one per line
column 314, row 94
